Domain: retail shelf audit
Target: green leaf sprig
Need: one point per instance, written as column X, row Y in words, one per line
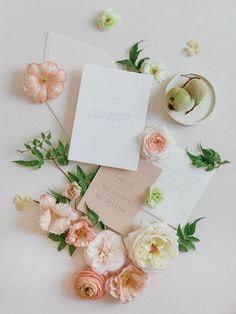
column 133, row 64
column 42, row 150
column 208, row 159
column 61, row 238
column 186, row 238
column 81, row 178
column 60, row 198
column 94, row 218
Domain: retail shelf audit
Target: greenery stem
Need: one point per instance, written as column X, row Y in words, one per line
column 56, row 164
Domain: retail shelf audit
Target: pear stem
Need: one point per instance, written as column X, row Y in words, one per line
column 189, row 79
column 191, row 109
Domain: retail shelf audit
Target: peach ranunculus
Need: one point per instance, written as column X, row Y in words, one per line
column 106, row 253
column 72, row 191
column 56, row 218
column 81, row 233
column 156, row 143
column 44, row 81
column 89, row 285
column 127, row 284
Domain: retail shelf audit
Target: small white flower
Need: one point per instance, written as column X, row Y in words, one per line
column 108, row 20
column 106, row 253
column 22, row 202
column 152, row 246
column 192, row 48
column 155, row 68
column 156, row 143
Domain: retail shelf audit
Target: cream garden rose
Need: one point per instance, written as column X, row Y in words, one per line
column 152, row 246
column 72, row 191
column 156, row 143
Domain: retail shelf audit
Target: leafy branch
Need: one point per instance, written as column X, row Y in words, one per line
column 94, row 218
column 61, row 238
column 186, row 238
column 208, row 159
column 133, row 64
column 42, row 150
column 81, row 178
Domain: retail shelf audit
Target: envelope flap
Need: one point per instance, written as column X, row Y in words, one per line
column 71, row 55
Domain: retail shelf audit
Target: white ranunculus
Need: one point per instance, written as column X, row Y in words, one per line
column 152, row 246
column 106, row 253
column 156, row 143
column 155, row 68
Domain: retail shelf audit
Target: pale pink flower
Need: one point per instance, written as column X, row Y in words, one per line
column 44, row 81
column 72, row 191
column 127, row 284
column 80, row 233
column 106, row 253
column 55, row 218
column 156, row 143
column 89, row 285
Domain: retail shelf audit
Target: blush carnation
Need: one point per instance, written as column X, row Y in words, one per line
column 156, row 143
column 55, row 218
column 127, row 284
column 89, row 285
column 80, row 233
column 106, row 253
column 44, row 81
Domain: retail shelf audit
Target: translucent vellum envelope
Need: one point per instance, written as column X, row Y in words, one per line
column 71, row 55
column 182, row 185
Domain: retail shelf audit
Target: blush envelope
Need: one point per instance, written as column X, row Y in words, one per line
column 117, row 195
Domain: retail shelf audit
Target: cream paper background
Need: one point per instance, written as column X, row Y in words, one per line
column 35, row 278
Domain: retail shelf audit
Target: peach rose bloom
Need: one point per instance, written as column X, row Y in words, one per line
column 44, row 81
column 72, row 191
column 128, row 284
column 89, row 285
column 156, row 143
column 80, row 233
column 55, row 218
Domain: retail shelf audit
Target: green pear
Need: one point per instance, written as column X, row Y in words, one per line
column 178, row 99
column 197, row 89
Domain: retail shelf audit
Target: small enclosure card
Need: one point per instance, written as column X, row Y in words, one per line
column 117, row 195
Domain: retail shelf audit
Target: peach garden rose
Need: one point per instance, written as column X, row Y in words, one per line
column 72, row 191
column 127, row 284
column 156, row 143
column 44, row 81
column 89, row 285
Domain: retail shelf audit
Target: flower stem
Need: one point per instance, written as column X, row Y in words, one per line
column 56, row 164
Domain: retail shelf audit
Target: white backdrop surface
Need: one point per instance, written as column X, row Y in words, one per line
column 35, row 278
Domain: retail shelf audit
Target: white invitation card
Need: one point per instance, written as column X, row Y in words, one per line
column 110, row 115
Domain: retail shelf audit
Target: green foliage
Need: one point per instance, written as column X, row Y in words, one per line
column 60, row 198
column 133, row 64
column 42, row 150
column 186, row 238
column 81, row 178
column 94, row 218
column 61, row 238
column 208, row 159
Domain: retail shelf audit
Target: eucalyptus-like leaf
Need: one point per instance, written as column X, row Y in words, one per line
column 186, row 239
column 27, row 163
column 71, row 249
